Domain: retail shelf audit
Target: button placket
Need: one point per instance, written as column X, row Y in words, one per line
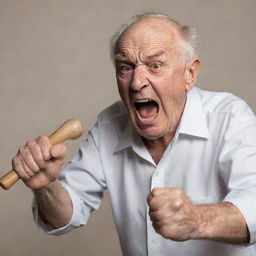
column 152, row 238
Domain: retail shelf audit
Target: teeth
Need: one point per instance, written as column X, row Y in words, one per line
column 142, row 100
column 147, row 118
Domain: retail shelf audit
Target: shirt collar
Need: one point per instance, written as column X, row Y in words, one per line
column 126, row 138
column 193, row 122
column 129, row 138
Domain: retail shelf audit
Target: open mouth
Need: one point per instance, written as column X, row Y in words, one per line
column 147, row 109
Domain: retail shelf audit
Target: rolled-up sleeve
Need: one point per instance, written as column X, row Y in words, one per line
column 245, row 201
column 238, row 165
column 81, row 213
column 84, row 180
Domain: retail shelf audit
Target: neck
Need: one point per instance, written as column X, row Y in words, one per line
column 157, row 147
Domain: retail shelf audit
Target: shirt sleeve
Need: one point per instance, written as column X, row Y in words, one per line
column 238, row 163
column 84, row 180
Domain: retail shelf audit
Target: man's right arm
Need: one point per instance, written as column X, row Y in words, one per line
column 54, row 204
column 39, row 165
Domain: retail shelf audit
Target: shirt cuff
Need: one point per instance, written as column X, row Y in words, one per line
column 79, row 218
column 246, row 203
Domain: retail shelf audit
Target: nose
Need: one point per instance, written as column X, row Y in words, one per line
column 139, row 79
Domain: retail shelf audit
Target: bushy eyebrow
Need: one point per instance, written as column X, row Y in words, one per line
column 120, row 57
column 155, row 55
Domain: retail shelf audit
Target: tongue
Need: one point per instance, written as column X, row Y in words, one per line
column 148, row 111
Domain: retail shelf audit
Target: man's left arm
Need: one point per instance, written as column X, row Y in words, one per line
column 175, row 217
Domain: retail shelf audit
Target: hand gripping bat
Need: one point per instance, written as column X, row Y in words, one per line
column 71, row 129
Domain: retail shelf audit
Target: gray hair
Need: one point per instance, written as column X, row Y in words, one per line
column 189, row 34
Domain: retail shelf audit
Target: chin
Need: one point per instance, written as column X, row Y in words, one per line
column 149, row 133
column 148, row 130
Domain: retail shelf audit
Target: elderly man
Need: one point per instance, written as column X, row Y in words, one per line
column 179, row 163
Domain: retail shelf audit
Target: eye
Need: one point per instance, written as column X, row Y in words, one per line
column 124, row 67
column 156, row 66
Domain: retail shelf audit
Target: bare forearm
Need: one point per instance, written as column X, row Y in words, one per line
column 223, row 223
column 175, row 217
column 54, row 203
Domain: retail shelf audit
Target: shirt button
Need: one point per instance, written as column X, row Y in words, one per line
column 156, row 174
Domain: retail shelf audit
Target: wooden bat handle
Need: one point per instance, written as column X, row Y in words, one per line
column 71, row 129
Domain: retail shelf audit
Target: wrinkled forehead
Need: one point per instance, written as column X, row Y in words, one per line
column 149, row 35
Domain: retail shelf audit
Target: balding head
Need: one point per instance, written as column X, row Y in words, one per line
column 188, row 43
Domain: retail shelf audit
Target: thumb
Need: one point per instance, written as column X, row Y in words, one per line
column 58, row 151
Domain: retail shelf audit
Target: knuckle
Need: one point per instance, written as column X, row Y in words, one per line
column 177, row 203
column 31, row 142
column 15, row 159
column 155, row 191
column 22, row 150
column 44, row 140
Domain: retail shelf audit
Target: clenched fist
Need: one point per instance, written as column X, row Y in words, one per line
column 173, row 215
column 38, row 163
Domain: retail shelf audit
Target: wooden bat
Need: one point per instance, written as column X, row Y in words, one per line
column 71, row 129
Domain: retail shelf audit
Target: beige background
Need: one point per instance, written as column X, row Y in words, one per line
column 54, row 65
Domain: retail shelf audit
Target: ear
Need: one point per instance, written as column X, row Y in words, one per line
column 191, row 73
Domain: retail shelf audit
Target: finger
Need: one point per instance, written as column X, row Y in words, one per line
column 153, row 216
column 171, row 191
column 27, row 157
column 36, row 153
column 153, row 193
column 157, row 227
column 158, row 202
column 58, row 151
column 164, row 231
column 28, row 171
column 158, row 191
column 45, row 145
column 16, row 164
column 160, row 211
column 20, row 167
column 37, row 181
column 53, row 167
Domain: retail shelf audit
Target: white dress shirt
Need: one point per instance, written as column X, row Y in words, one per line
column 212, row 158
